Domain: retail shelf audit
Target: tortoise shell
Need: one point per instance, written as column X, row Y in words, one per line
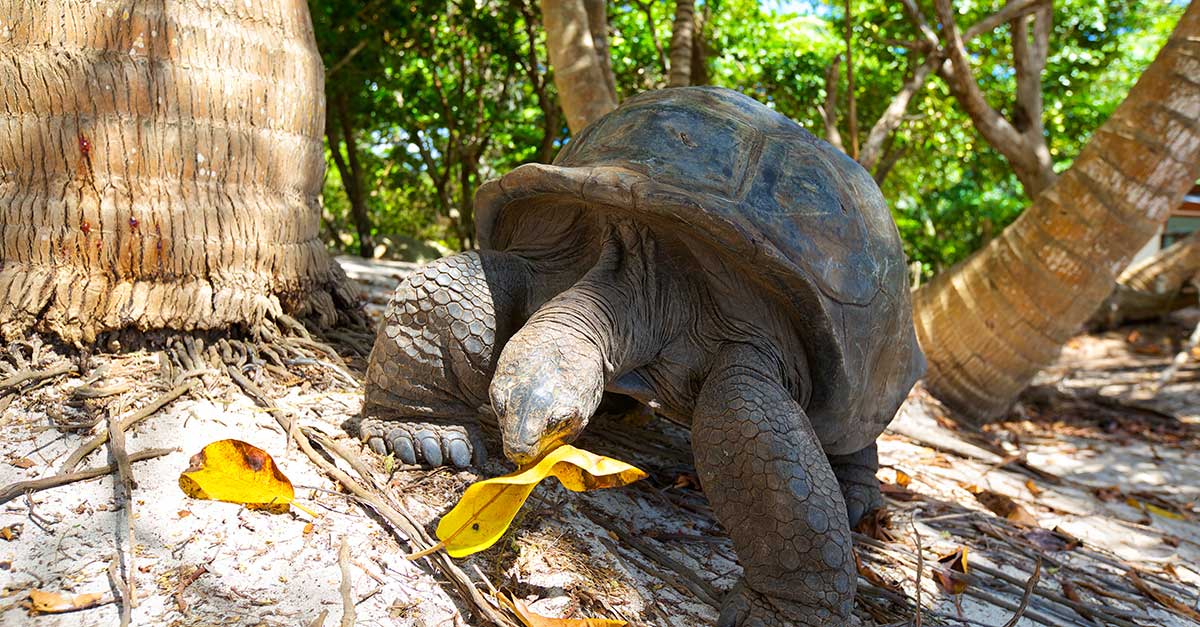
column 788, row 211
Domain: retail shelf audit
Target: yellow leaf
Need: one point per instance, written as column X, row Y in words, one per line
column 902, row 478
column 237, row 472
column 488, row 507
column 1154, row 509
column 529, row 619
column 55, row 603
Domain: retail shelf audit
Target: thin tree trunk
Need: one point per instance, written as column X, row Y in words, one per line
column 648, row 10
column 681, row 44
column 989, row 324
column 700, row 49
column 163, row 165
column 853, row 108
column 829, row 107
column 582, row 75
column 351, row 173
column 893, row 116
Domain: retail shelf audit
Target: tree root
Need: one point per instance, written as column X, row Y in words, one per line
column 412, row 532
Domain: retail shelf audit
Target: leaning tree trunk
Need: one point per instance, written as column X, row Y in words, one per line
column 577, row 43
column 1155, row 287
column 160, row 166
column 989, row 324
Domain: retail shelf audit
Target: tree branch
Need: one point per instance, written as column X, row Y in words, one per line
column 993, row 126
column 893, row 116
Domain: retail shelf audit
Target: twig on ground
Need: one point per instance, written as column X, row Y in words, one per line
column 920, row 568
column 9, row 384
column 13, row 490
column 1029, row 587
column 183, row 583
column 416, row 536
column 346, row 588
column 123, row 492
column 121, row 588
column 96, row 442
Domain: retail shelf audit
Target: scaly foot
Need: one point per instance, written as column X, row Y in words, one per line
column 425, row 441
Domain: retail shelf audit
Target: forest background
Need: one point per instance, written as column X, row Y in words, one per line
column 428, row 99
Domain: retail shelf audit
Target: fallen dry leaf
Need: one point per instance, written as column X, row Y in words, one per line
column 11, row 532
column 488, row 507
column 44, row 602
column 877, row 524
column 1049, row 541
column 1033, row 488
column 951, row 575
column 237, row 472
column 874, row 577
column 23, row 463
column 1005, row 507
column 1163, row 599
column 530, row 619
column 902, row 478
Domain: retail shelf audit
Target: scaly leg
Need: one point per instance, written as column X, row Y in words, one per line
column 435, row 354
column 856, row 474
column 771, row 487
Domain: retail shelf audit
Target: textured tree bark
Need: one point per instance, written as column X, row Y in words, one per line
column 1154, row 287
column 989, row 324
column 160, row 167
column 681, row 44
column 582, row 74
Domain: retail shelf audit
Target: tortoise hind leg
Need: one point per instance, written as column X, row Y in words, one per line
column 856, row 475
column 434, row 356
column 771, row 487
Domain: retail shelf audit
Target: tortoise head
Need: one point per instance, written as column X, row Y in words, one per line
column 543, row 394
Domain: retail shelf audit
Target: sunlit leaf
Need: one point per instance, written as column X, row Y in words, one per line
column 54, row 603
column 237, row 472
column 488, row 507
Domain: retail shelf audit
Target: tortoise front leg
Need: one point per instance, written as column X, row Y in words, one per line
column 435, row 354
column 856, row 475
column 771, row 487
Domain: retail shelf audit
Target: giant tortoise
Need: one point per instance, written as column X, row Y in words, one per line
column 703, row 254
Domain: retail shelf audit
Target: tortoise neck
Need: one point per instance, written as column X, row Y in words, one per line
column 615, row 318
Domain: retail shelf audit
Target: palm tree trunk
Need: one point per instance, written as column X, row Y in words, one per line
column 989, row 324
column 160, row 168
column 681, row 44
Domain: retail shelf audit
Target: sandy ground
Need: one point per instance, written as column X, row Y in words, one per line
column 1121, row 477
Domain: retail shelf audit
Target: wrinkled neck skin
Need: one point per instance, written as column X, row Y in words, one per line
column 616, row 318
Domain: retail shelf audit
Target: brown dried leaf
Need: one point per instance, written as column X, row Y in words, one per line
column 1162, row 598
column 874, row 577
column 1033, row 488
column 23, row 463
column 1049, row 541
column 951, row 574
column 877, row 524
column 1005, row 507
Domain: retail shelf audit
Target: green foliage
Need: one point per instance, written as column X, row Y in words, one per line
column 443, row 94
